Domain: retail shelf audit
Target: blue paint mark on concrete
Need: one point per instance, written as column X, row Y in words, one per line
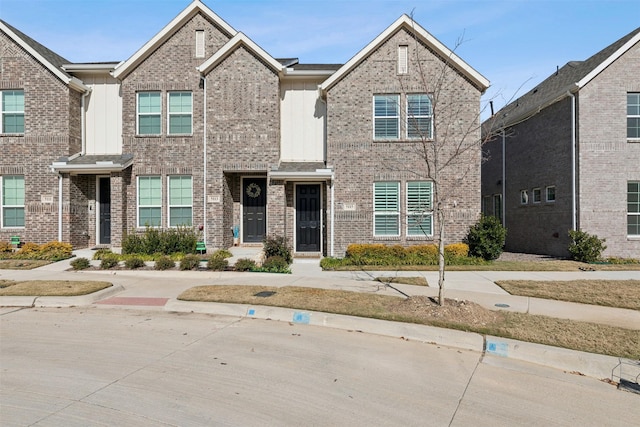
column 251, row 312
column 300, row 317
column 498, row 348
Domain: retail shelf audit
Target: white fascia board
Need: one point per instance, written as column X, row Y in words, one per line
column 604, row 64
column 230, row 46
column 426, row 37
column 196, row 6
column 71, row 81
column 318, row 175
column 89, row 68
column 290, row 72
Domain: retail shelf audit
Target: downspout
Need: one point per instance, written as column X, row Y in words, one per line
column 573, row 162
column 83, row 124
column 332, row 215
column 59, row 207
column 203, row 79
column 504, row 180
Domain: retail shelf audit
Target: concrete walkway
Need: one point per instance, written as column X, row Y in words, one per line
column 158, row 290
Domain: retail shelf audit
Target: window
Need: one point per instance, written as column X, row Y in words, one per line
column 149, row 113
column 633, row 208
column 419, row 116
column 12, row 111
column 386, row 116
column 551, row 193
column 633, row 116
column 403, row 66
column 199, row 44
column 497, row 206
column 419, row 208
column 386, row 207
column 180, row 113
column 149, row 201
column 180, row 200
column 524, row 197
column 486, row 205
column 12, row 201
column 537, row 195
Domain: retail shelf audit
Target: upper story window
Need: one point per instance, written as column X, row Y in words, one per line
column 537, row 195
column 180, row 200
column 419, row 208
column 386, row 208
column 633, row 208
column 386, row 116
column 633, row 116
column 149, row 201
column 149, row 113
column 551, row 193
column 419, row 116
column 180, row 113
column 12, row 201
column 497, row 206
column 524, row 197
column 403, row 59
column 12, row 111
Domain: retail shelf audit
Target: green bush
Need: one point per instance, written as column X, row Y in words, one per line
column 109, row 261
column 245, row 264
column 585, row 247
column 190, row 262
column 167, row 242
column 217, row 263
column 101, row 253
column 164, row 263
column 275, row 264
column 330, row 263
column 222, row 253
column 277, row 246
column 80, row 263
column 134, row 262
column 486, row 238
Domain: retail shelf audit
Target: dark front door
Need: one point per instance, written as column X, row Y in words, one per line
column 308, row 218
column 104, row 214
column 254, row 201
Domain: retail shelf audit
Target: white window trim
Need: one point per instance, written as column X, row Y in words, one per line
column 3, row 206
column 169, row 114
column 147, row 206
column 377, row 213
column 3, row 112
column 397, row 137
column 533, row 195
column 633, row 116
column 429, row 137
column 633, row 236
column 546, row 194
column 524, row 197
column 138, row 113
column 424, row 213
column 169, row 205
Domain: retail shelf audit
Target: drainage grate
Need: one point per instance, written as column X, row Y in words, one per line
column 502, row 305
column 264, row 294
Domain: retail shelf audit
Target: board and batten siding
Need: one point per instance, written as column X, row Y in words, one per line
column 302, row 126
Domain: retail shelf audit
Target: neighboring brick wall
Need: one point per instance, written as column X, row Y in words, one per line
column 358, row 160
column 607, row 160
column 52, row 129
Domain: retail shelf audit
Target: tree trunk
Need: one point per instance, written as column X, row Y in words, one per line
column 440, row 256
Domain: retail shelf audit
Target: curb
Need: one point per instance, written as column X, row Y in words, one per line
column 57, row 301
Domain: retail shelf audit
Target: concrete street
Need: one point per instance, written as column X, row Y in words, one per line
column 99, row 365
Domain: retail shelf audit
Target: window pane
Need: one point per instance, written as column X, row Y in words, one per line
column 419, row 127
column 13, row 217
column 386, row 196
column 387, row 225
column 633, row 104
column 551, row 194
column 419, row 225
column 180, row 191
column 419, row 116
column 149, row 125
column 386, row 128
column 180, row 216
column 13, row 111
column 418, row 105
column 386, row 117
column 149, row 191
column 386, row 105
column 633, row 127
column 149, row 102
column 180, row 102
column 13, row 190
column 180, row 124
column 150, row 217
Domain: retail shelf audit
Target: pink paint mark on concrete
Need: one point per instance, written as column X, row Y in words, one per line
column 155, row 302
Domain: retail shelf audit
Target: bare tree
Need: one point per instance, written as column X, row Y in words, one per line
column 445, row 135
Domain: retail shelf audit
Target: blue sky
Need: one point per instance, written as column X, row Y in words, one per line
column 514, row 43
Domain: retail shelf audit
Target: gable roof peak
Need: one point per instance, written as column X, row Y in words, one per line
column 195, row 7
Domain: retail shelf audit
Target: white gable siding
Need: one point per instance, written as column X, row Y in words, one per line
column 302, row 122
column 103, row 115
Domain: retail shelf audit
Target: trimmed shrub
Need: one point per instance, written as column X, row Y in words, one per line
column 6, row 247
column 585, row 247
column 167, row 242
column 486, row 238
column 134, row 262
column 276, row 264
column 457, row 250
column 100, row 253
column 277, row 246
column 222, row 253
column 55, row 251
column 109, row 261
column 80, row 263
column 245, row 264
column 190, row 262
column 217, row 263
column 28, row 251
column 330, row 263
column 164, row 263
